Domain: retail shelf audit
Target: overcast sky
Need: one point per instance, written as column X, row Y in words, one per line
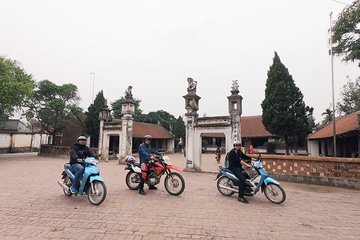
column 156, row 45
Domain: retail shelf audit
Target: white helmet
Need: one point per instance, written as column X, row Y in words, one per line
column 130, row 159
column 81, row 138
column 237, row 143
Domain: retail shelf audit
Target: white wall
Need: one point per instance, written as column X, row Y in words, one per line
column 5, row 140
column 313, row 147
column 22, row 140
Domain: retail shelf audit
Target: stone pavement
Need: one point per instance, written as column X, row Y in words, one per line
column 34, row 207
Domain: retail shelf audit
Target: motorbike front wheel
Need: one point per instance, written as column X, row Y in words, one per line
column 225, row 182
column 133, row 180
column 67, row 182
column 174, row 184
column 96, row 192
column 275, row 193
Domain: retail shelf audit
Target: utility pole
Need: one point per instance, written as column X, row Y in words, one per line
column 332, row 82
column 92, row 86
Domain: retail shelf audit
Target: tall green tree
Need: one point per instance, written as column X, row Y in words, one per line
column 15, row 86
column 284, row 111
column 54, row 105
column 346, row 33
column 350, row 97
column 92, row 118
column 175, row 125
column 162, row 117
column 328, row 116
column 179, row 130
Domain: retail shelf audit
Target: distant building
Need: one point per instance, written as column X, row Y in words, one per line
column 111, row 137
column 252, row 132
column 74, row 128
column 22, row 136
column 321, row 143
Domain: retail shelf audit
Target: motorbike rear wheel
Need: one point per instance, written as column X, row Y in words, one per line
column 97, row 194
column 133, row 180
column 67, row 182
column 224, row 181
column 275, row 193
column 174, row 184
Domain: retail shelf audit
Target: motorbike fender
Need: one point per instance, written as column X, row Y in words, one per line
column 270, row 180
column 136, row 169
column 218, row 176
column 96, row 177
column 173, row 167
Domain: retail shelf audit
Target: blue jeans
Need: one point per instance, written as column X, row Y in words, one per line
column 79, row 169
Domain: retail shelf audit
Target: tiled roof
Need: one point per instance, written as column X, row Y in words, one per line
column 252, row 126
column 344, row 124
column 141, row 129
column 10, row 125
column 213, row 135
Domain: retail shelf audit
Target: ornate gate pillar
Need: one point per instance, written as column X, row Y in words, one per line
column 104, row 116
column 191, row 106
column 235, row 110
column 127, row 110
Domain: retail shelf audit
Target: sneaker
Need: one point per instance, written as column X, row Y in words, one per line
column 73, row 190
column 141, row 191
column 243, row 200
column 152, row 187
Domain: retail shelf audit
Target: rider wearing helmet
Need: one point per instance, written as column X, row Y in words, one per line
column 78, row 152
column 145, row 153
column 236, row 162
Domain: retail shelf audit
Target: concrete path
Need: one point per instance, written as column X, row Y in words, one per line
column 34, row 207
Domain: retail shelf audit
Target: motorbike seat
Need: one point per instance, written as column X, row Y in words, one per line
column 225, row 169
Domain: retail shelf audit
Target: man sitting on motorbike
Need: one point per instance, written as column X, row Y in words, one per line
column 78, row 152
column 236, row 164
column 145, row 154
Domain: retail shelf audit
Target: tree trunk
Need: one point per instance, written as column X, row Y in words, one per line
column 287, row 144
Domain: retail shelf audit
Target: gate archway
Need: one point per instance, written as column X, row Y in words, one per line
column 196, row 127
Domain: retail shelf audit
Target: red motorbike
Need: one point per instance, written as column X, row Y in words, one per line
column 158, row 165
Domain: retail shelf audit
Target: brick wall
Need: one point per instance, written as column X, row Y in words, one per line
column 59, row 150
column 317, row 170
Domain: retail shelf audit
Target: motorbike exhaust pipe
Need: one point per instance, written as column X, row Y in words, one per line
column 229, row 188
column 66, row 188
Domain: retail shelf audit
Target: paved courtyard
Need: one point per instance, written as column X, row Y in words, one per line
column 34, row 207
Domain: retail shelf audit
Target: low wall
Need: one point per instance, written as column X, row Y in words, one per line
column 342, row 172
column 14, row 142
column 339, row 172
column 58, row 150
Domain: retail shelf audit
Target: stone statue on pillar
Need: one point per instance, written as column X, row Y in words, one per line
column 235, row 86
column 128, row 93
column 191, row 85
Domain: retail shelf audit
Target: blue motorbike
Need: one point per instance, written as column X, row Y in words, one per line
column 91, row 183
column 228, row 183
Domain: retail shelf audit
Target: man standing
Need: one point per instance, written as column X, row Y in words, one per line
column 78, row 152
column 145, row 151
column 236, row 164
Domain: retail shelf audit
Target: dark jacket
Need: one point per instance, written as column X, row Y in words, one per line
column 79, row 151
column 145, row 151
column 235, row 157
